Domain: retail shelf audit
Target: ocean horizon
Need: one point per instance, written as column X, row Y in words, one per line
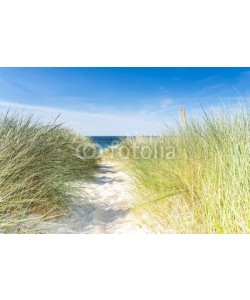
column 106, row 141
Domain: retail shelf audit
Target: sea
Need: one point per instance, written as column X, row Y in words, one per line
column 106, row 141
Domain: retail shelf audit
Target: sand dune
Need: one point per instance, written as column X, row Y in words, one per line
column 103, row 207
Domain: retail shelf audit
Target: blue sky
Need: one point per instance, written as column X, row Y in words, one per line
column 119, row 101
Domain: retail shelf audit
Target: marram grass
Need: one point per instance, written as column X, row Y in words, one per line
column 37, row 164
column 204, row 187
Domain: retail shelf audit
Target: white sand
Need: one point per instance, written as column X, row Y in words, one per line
column 103, row 207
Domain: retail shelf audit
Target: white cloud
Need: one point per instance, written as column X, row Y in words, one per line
column 167, row 103
column 90, row 123
column 208, row 79
column 160, row 109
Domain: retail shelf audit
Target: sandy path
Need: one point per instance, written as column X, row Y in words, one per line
column 104, row 206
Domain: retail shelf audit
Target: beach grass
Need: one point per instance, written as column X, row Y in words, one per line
column 38, row 162
column 193, row 178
